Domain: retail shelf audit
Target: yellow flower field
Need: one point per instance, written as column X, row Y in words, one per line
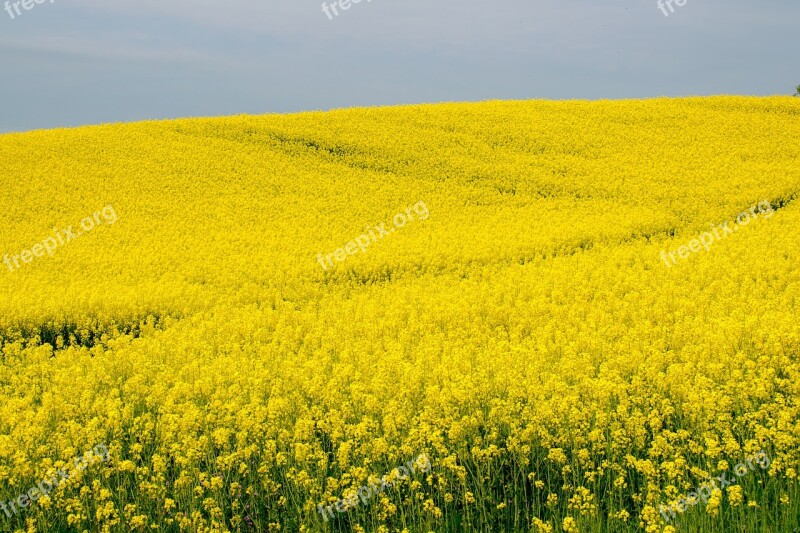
column 163, row 297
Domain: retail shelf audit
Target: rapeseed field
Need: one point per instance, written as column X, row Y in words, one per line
column 504, row 316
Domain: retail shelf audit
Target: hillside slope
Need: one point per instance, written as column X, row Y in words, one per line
column 531, row 300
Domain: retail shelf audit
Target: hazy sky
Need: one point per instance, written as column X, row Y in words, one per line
column 72, row 62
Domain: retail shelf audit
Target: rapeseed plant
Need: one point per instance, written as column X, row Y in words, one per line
column 526, row 338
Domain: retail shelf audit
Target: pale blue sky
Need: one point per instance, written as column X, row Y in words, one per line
column 74, row 62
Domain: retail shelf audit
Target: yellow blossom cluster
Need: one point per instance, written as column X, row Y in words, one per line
column 527, row 337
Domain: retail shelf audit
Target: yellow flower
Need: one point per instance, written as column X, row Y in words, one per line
column 569, row 525
column 542, row 527
column 735, row 495
column 557, row 456
column 714, row 502
column 552, row 499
